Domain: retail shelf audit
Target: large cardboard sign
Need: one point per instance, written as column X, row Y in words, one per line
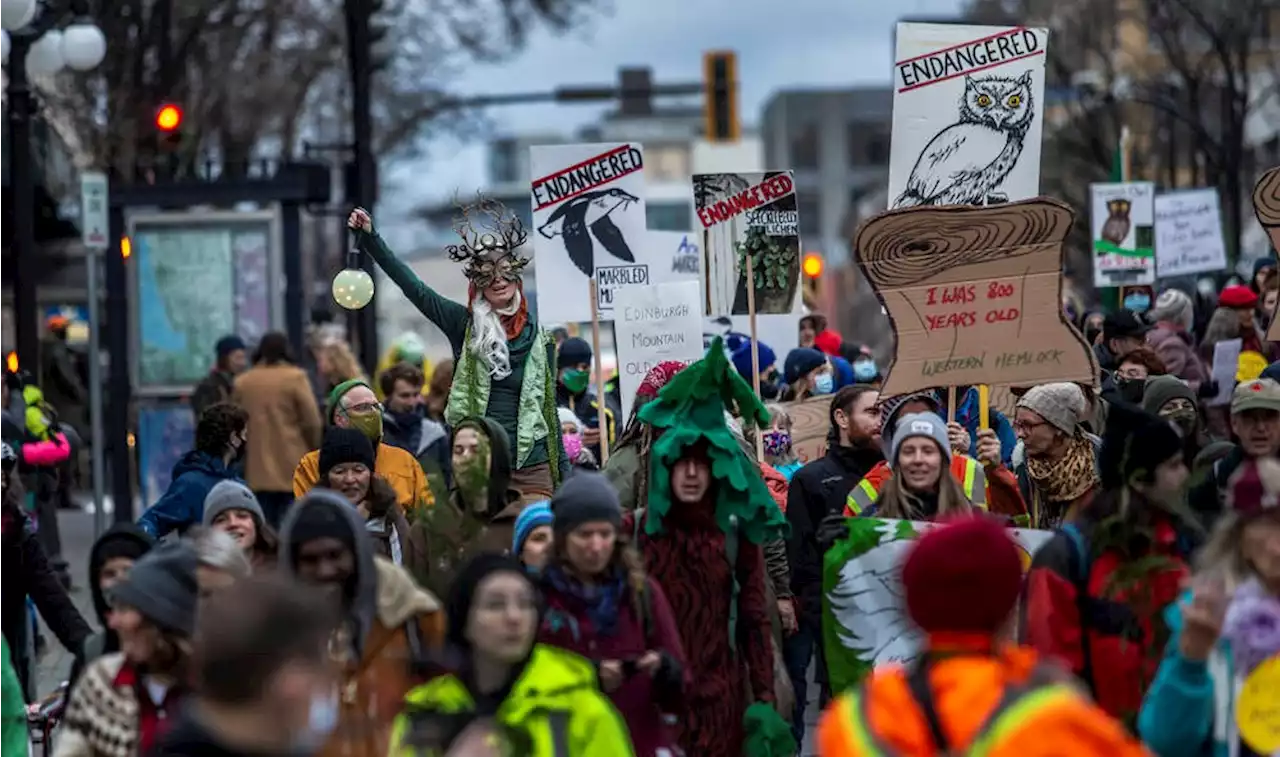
column 810, row 422
column 752, row 214
column 1266, row 205
column 1189, row 233
column 653, row 324
column 974, row 295
column 1122, row 222
column 864, row 621
column 589, row 215
column 968, row 112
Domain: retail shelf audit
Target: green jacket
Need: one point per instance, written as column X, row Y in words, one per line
column 555, row 709
column 13, row 734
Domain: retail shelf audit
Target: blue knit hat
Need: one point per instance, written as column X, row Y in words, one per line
column 537, row 514
column 741, row 357
column 800, row 362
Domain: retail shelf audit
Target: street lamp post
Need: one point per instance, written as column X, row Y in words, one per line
column 34, row 44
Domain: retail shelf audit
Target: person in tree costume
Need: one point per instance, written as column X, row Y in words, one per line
column 503, row 360
column 707, row 513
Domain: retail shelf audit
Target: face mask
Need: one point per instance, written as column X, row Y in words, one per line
column 321, row 721
column 825, row 383
column 1131, row 389
column 1138, row 303
column 369, row 424
column 864, row 370
column 572, row 446
column 777, row 442
column 575, row 380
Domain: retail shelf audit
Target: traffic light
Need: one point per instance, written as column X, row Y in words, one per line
column 720, row 82
column 169, row 124
column 811, row 292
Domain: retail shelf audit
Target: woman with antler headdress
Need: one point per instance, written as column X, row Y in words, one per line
column 503, row 359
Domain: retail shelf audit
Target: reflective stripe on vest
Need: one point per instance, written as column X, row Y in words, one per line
column 965, row 470
column 974, row 481
column 861, row 497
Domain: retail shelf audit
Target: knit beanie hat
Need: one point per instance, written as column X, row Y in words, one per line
column 741, row 358
column 1161, row 390
column 231, row 495
column 318, row 521
column 340, row 391
column 828, row 341
column 1255, row 487
column 534, row 515
column 1238, row 297
column 890, row 406
column 1134, row 443
column 162, row 587
column 920, row 424
column 1061, row 405
column 565, row 415
column 1173, row 306
column 463, row 591
column 344, row 445
column 585, row 498
column 573, row 352
column 227, row 345
column 962, row 577
column 800, row 362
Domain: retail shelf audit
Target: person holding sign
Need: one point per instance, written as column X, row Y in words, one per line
column 1223, row 631
column 920, row 488
column 503, row 359
column 574, row 392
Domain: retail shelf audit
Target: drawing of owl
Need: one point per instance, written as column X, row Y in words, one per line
column 1116, row 229
column 967, row 161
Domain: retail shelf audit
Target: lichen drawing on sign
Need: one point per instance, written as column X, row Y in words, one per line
column 966, row 163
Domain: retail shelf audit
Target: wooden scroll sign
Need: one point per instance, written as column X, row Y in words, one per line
column 975, row 295
column 1266, row 204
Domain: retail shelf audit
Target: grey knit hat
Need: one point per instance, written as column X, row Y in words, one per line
column 1173, row 306
column 231, row 495
column 912, row 425
column 162, row 587
column 585, row 498
column 1062, row 405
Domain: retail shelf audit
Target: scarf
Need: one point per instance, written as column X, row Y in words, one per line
column 601, row 600
column 1252, row 625
column 513, row 322
column 1064, row 480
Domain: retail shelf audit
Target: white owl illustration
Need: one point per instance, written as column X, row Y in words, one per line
column 967, row 161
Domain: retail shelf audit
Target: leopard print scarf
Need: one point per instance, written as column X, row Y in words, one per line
column 1061, row 482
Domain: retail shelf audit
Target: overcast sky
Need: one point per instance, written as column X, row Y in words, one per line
column 791, row 45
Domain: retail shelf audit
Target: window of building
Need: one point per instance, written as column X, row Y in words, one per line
column 504, row 166
column 867, row 146
column 810, row 209
column 667, row 163
column 668, row 216
column 804, row 148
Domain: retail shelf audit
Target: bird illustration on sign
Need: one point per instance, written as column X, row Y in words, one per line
column 580, row 219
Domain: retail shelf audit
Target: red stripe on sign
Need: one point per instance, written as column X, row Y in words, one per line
column 971, row 71
column 1007, row 32
column 576, row 166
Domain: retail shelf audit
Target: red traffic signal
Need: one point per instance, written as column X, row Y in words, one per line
column 168, row 118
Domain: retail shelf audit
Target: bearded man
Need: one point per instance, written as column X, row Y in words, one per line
column 503, row 359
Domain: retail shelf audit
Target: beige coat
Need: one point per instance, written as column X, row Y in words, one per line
column 284, row 423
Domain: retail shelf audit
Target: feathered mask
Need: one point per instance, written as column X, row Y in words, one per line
column 491, row 238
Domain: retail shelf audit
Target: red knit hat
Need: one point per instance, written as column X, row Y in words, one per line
column 829, row 342
column 963, row 577
column 1255, row 487
column 1238, row 296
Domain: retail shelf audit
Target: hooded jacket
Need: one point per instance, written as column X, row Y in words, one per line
column 445, row 537
column 387, row 607
column 554, row 709
column 398, row 467
column 182, row 504
column 425, row 439
column 105, row 641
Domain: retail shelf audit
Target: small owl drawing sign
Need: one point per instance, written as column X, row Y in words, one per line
column 968, row 112
column 1122, row 217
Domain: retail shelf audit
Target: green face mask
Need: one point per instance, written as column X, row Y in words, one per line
column 575, row 380
column 369, row 424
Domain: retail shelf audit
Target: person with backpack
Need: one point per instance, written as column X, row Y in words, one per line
column 970, row 692
column 600, row 604
column 1097, row 590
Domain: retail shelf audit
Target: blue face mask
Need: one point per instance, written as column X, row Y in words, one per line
column 865, row 370
column 824, row 383
column 1138, row 303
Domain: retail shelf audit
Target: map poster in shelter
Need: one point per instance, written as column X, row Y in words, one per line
column 1122, row 224
column 1266, row 204
column 968, row 112
column 974, row 295
column 199, row 277
column 589, row 218
column 749, row 214
column 864, row 621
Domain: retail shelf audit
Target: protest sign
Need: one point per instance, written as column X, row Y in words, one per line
column 864, row 622
column 1266, row 205
column 1122, row 221
column 810, row 423
column 968, row 112
column 974, row 295
column 749, row 214
column 589, row 214
column 1189, row 233
column 653, row 324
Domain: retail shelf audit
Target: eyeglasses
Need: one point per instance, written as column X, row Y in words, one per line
column 1028, row 427
column 363, row 407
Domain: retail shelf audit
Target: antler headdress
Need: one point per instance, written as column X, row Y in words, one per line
column 491, row 236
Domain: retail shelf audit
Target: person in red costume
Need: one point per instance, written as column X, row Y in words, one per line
column 707, row 513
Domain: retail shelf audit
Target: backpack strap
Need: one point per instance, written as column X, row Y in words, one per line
column 1080, row 566
column 918, row 682
column 731, row 538
column 1044, row 688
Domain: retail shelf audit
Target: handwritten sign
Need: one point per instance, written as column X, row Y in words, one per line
column 1121, row 219
column 1266, row 204
column 810, row 422
column 1189, row 233
column 974, row 295
column 653, row 324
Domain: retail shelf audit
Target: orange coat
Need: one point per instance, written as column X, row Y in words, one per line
column 1003, row 495
column 966, row 691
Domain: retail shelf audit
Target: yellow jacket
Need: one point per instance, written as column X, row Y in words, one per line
column 398, row 467
column 555, row 709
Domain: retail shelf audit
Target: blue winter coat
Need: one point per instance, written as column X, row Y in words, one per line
column 1189, row 711
column 967, row 417
column 182, row 504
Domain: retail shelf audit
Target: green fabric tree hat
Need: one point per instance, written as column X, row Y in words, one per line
column 690, row 411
